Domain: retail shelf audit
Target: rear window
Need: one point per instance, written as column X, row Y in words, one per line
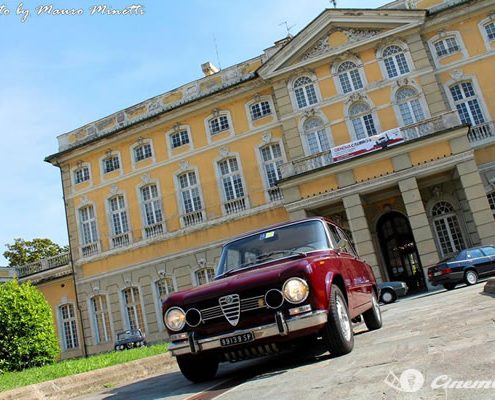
column 489, row 251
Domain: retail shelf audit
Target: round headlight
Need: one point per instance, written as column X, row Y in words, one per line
column 295, row 290
column 175, row 319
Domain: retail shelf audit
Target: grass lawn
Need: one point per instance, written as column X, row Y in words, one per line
column 11, row 380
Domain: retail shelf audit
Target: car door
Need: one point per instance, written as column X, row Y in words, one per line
column 478, row 260
column 489, row 251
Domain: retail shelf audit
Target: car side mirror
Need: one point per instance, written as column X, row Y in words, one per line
column 342, row 245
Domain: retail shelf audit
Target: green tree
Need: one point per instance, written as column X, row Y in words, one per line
column 23, row 252
column 27, row 333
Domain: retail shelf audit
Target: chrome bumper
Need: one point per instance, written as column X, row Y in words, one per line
column 282, row 327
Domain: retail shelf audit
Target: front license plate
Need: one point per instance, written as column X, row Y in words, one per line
column 237, row 339
column 437, row 273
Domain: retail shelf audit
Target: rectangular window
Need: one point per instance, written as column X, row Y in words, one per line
column 69, row 326
column 87, row 221
column 467, row 103
column 142, row 152
column 189, row 190
column 204, row 276
column 259, row 110
column 111, row 164
column 490, row 30
column 218, row 124
column 179, row 139
column 165, row 287
column 152, row 211
column 231, row 179
column 119, row 222
column 81, row 175
column 272, row 160
column 446, row 46
column 491, row 201
column 134, row 309
column 101, row 319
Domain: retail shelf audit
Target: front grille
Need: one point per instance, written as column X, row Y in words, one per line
column 231, row 308
column 229, row 312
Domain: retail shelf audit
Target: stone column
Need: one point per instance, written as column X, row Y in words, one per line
column 361, row 232
column 420, row 226
column 477, row 201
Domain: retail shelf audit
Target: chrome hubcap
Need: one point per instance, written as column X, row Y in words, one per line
column 471, row 277
column 345, row 323
column 387, row 297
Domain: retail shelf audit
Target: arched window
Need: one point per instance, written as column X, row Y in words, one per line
column 349, row 77
column 395, row 61
column 316, row 136
column 69, row 326
column 204, row 275
column 362, row 120
column 305, row 92
column 133, row 308
column 447, row 228
column 409, row 105
column 101, row 318
column 467, row 103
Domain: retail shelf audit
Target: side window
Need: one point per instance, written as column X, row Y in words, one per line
column 350, row 248
column 474, row 254
column 489, row 251
column 334, row 235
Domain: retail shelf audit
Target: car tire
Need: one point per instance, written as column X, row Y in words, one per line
column 470, row 277
column 388, row 296
column 337, row 333
column 373, row 317
column 198, row 368
column 449, row 285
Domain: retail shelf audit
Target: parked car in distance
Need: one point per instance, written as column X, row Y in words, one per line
column 390, row 291
column 466, row 266
column 130, row 339
column 294, row 282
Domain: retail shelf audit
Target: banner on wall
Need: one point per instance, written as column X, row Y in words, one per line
column 367, row 145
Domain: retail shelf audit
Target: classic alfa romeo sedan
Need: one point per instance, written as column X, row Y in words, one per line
column 276, row 287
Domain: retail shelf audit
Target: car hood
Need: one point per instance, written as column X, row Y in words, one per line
column 274, row 272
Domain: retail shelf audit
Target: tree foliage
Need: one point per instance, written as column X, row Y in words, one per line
column 27, row 333
column 23, row 252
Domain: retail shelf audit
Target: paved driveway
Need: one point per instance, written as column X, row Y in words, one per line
column 438, row 338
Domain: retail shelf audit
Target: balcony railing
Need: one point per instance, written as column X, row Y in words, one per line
column 90, row 249
column 409, row 132
column 192, row 218
column 275, row 194
column 121, row 240
column 235, row 206
column 43, row 265
column 482, row 134
column 154, row 230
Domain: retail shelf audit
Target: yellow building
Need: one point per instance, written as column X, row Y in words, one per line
column 152, row 191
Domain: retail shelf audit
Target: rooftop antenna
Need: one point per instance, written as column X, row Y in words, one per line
column 333, row 3
column 287, row 27
column 216, row 51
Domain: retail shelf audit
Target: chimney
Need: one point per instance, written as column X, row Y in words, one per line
column 209, row 69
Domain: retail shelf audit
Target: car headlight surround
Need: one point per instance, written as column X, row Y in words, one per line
column 175, row 319
column 295, row 290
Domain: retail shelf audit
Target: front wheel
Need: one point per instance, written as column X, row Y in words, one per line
column 198, row 368
column 337, row 333
column 373, row 317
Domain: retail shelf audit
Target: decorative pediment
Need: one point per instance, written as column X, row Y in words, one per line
column 337, row 38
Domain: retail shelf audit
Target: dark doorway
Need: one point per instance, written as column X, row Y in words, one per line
column 399, row 251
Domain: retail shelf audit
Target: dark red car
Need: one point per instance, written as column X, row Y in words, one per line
column 273, row 288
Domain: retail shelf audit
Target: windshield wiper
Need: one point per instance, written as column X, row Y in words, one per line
column 261, row 257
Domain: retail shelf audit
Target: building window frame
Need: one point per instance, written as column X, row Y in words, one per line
column 101, row 321
column 203, row 275
column 491, row 201
column 349, row 75
column 118, row 221
column 315, row 132
column 415, row 105
column 226, row 127
column 133, row 311
column 304, row 91
column 448, row 48
column 194, row 213
column 469, row 100
column 392, row 64
column 152, row 211
column 258, row 101
column 271, row 168
column 142, row 151
column 81, row 173
column 488, row 34
column 116, row 165
column 89, row 243
column 177, row 147
column 363, row 121
column 68, row 326
column 447, row 227
column 232, row 185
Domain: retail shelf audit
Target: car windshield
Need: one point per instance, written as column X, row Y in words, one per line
column 290, row 240
column 128, row 334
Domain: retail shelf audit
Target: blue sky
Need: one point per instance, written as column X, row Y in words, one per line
column 59, row 72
